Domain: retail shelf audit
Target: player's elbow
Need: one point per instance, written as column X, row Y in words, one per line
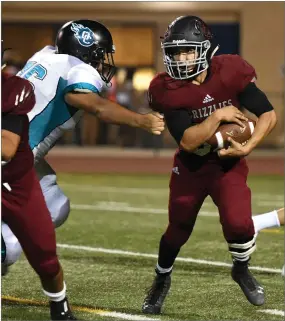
column 187, row 146
column 10, row 144
column 89, row 102
column 7, row 152
column 273, row 118
column 270, row 117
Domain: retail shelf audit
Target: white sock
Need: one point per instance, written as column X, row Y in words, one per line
column 57, row 297
column 162, row 270
column 266, row 220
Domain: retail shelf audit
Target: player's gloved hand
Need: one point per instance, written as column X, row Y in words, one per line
column 153, row 122
column 231, row 114
column 235, row 150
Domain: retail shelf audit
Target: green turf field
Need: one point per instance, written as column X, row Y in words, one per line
column 108, row 251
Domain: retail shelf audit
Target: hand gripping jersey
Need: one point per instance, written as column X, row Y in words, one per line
column 229, row 75
column 52, row 76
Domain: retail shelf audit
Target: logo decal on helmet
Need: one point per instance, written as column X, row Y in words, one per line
column 84, row 35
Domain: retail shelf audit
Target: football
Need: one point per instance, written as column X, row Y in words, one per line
column 220, row 139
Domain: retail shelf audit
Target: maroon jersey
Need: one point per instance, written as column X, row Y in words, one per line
column 23, row 205
column 228, row 76
column 17, row 99
column 17, row 95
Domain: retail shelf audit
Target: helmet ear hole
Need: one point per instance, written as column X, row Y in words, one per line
column 85, row 58
column 99, row 54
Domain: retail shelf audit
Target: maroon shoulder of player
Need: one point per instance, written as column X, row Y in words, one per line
column 235, row 72
column 17, row 95
column 228, row 76
column 165, row 93
column 155, row 91
column 18, row 98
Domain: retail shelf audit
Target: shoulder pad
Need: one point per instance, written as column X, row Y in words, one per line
column 234, row 71
column 158, row 90
column 18, row 96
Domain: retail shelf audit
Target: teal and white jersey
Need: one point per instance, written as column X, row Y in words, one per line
column 52, row 76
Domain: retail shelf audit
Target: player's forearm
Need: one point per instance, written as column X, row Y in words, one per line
column 104, row 109
column 266, row 122
column 114, row 113
column 197, row 135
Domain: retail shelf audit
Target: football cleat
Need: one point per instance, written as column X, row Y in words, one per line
column 253, row 291
column 156, row 294
column 61, row 310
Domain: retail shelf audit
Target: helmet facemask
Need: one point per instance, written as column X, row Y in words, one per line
column 180, row 69
column 103, row 62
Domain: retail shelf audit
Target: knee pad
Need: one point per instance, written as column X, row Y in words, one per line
column 57, row 203
column 59, row 207
column 240, row 250
column 177, row 234
column 238, row 229
column 11, row 249
column 46, row 267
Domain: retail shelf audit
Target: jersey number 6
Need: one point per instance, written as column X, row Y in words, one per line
column 32, row 69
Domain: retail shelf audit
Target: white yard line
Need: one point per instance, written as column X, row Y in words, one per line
column 273, row 312
column 272, row 203
column 101, row 312
column 124, row 207
column 126, row 316
column 154, row 256
column 114, row 189
column 148, row 191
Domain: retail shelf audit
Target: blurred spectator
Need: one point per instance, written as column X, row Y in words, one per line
column 89, row 130
column 12, row 61
column 11, row 68
column 141, row 80
column 126, row 134
column 93, row 131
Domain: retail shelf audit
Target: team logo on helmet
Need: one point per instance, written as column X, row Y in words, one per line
column 84, row 35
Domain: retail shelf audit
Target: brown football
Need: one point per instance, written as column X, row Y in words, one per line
column 220, row 139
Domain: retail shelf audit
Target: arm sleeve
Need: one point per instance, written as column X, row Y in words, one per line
column 84, row 79
column 254, row 100
column 177, row 122
column 14, row 123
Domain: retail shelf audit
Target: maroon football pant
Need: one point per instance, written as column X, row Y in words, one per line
column 229, row 191
column 25, row 212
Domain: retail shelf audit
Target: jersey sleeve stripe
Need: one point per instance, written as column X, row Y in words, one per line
column 81, row 87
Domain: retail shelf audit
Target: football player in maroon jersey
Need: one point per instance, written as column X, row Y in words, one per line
column 196, row 94
column 23, row 206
